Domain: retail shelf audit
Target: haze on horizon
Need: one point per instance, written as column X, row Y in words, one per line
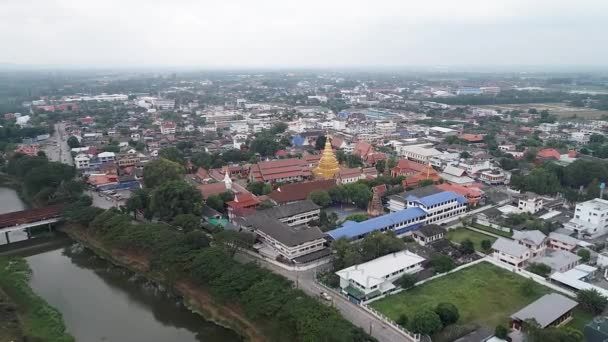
column 314, row 33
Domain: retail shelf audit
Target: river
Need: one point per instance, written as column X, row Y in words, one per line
column 102, row 302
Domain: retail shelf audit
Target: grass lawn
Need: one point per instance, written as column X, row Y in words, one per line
column 460, row 234
column 580, row 318
column 484, row 294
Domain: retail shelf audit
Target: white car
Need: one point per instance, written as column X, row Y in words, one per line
column 325, row 296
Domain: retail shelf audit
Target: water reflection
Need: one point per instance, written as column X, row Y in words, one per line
column 101, row 302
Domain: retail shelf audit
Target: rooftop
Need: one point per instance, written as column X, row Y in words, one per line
column 373, row 272
column 509, row 247
column 288, row 235
column 535, row 236
column 546, row 309
column 350, row 229
column 437, row 198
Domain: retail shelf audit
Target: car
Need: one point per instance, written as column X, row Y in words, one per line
column 325, row 296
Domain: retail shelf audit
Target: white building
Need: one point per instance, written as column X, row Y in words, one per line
column 590, row 218
column 530, row 204
column 82, row 161
column 386, row 127
column 167, row 127
column 510, row 252
column 375, row 277
column 164, row 104
column 418, row 153
column 580, row 137
column 106, row 157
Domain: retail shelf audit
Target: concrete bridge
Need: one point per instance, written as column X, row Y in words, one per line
column 26, row 219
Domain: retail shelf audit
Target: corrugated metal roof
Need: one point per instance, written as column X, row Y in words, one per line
column 437, row 198
column 352, row 229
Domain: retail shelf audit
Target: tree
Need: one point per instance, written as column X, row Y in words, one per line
column 406, row 281
column 467, row 247
column 320, row 142
column 320, row 198
column 216, row 202
column 174, row 198
column 584, row 254
column 486, row 245
column 592, row 301
column 425, row 322
column 448, row 313
column 162, row 170
column 425, row 182
column 73, row 142
column 442, row 263
column 541, row 269
column 187, row 222
column 381, row 166
column 278, row 127
column 465, row 154
column 259, row 188
column 501, row 331
column 173, row 154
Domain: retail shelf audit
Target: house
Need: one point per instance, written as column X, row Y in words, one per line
column 534, row 240
column 492, row 177
column 288, row 193
column 106, row 157
column 167, row 127
column 472, row 138
column 562, row 242
column 293, row 214
column 589, row 218
column 456, row 175
column 559, row 261
column 82, row 161
column 285, row 170
column 347, row 175
column 549, row 310
column 548, row 154
column 202, row 175
column 428, row 234
column 530, row 204
column 510, row 252
column 375, row 278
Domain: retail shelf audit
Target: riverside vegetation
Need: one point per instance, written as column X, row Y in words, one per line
column 281, row 312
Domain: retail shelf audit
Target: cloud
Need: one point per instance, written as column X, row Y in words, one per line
column 275, row 33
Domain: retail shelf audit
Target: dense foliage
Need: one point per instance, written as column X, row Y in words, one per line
column 372, row 246
column 44, row 182
column 284, row 313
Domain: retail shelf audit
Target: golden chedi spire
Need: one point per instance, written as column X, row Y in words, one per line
column 328, row 164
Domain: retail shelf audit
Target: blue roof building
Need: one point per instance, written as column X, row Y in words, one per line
column 434, row 208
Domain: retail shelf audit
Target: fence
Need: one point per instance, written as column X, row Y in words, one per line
column 489, row 224
column 388, row 321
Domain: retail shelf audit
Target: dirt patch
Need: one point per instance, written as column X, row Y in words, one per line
column 197, row 298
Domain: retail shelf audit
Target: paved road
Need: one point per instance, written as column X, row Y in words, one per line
column 57, row 148
column 351, row 312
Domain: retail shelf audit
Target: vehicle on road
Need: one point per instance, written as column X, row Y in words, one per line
column 325, row 296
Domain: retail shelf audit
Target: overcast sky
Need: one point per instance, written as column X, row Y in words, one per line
column 304, row 33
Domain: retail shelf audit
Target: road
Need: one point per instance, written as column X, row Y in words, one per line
column 57, row 148
column 304, row 280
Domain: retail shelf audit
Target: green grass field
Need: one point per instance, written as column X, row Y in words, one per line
column 460, row 234
column 484, row 294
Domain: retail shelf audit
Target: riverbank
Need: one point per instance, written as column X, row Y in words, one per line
column 25, row 315
column 196, row 298
column 10, row 182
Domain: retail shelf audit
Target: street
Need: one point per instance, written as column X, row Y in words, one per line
column 56, row 148
column 304, row 280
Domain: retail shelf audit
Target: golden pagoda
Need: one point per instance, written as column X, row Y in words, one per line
column 328, row 164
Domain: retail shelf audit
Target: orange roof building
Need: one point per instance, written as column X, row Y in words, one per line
column 428, row 173
column 472, row 138
column 548, row 153
column 243, row 204
column 406, row 168
column 284, row 170
column 473, row 195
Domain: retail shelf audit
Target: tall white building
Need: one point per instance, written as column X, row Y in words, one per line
column 418, row 153
column 590, row 218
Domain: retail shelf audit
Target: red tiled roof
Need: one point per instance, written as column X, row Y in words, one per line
column 548, row 153
column 208, row 190
column 407, row 167
column 471, row 137
column 243, row 200
column 348, row 173
column 202, row 173
column 299, row 191
column 362, row 148
column 271, row 170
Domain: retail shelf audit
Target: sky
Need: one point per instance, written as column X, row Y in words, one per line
column 304, row 33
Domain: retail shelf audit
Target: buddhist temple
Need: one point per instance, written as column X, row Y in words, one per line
column 375, row 207
column 428, row 173
column 328, row 165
